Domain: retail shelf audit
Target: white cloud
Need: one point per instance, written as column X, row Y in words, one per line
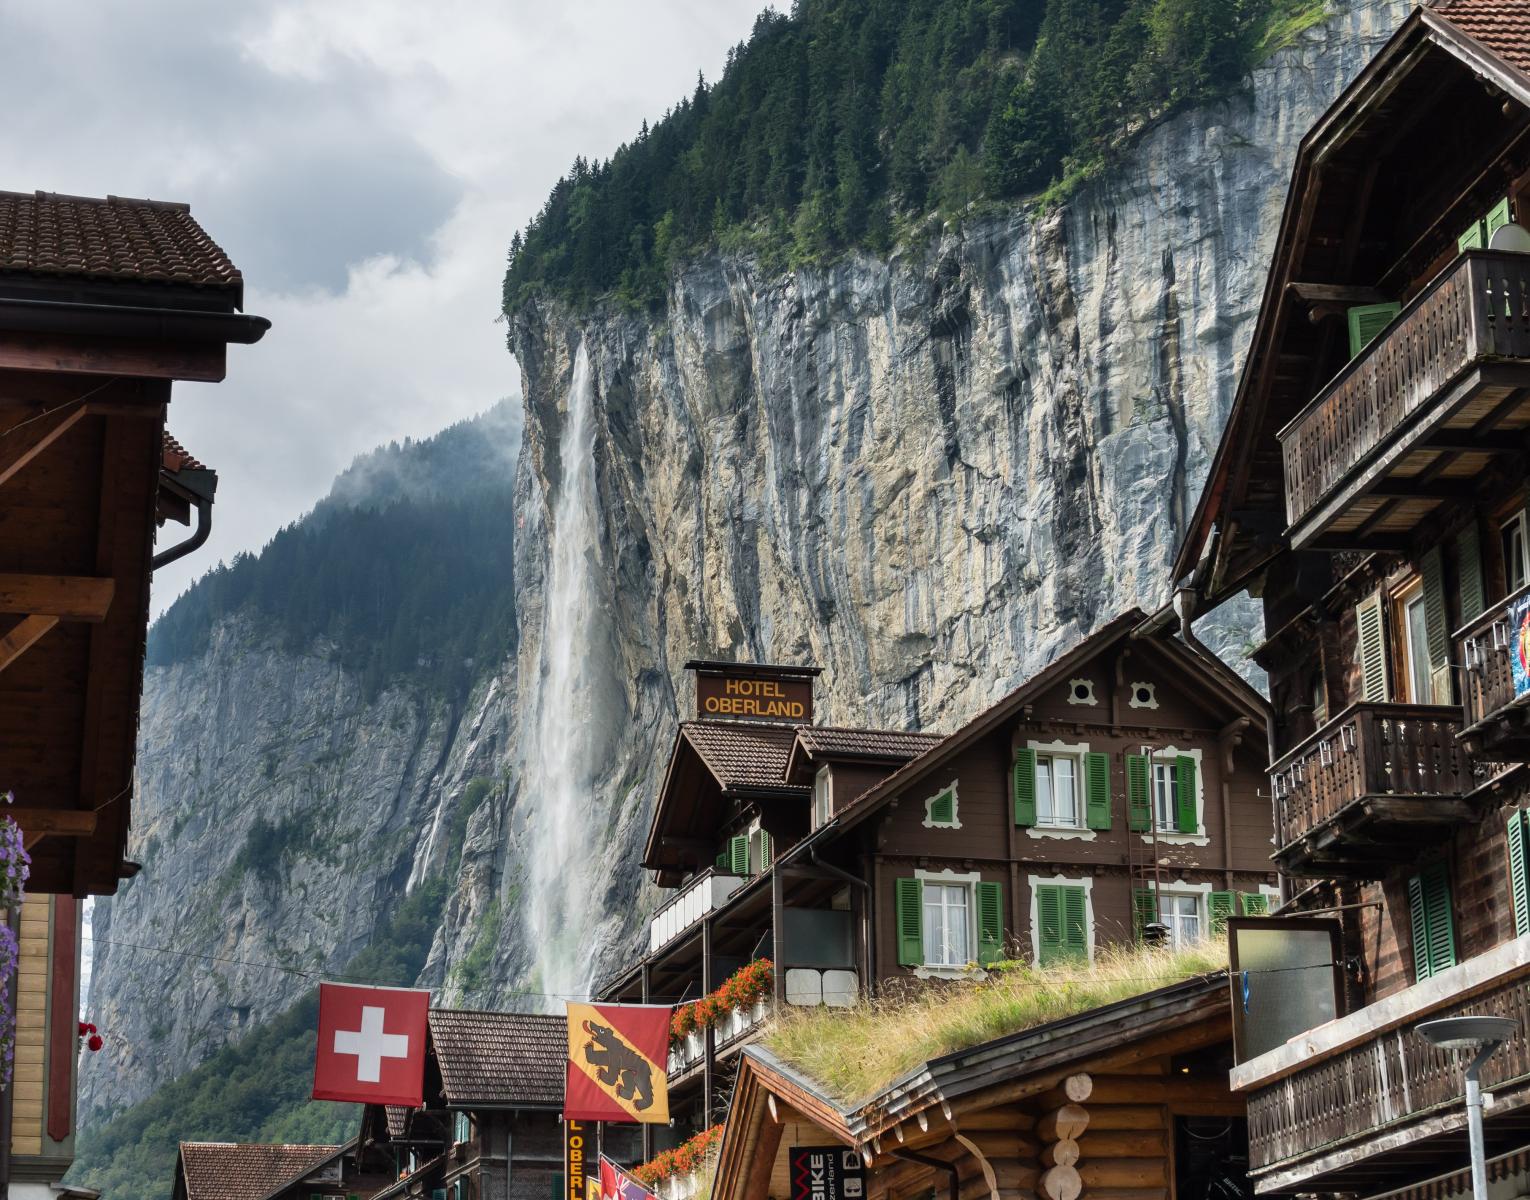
column 365, row 164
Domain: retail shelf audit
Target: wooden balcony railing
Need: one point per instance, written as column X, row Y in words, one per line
column 1487, row 689
column 1477, row 308
column 1336, row 1101
column 1394, row 750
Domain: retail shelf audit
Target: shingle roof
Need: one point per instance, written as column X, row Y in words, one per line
column 500, row 1057
column 886, row 744
column 44, row 233
column 228, row 1171
column 177, row 458
column 744, row 755
column 397, row 1118
column 1503, row 26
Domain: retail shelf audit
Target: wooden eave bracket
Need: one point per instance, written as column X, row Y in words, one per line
column 42, row 601
column 38, row 823
column 1324, row 300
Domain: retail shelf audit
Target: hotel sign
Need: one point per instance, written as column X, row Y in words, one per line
column 752, row 698
column 578, row 1160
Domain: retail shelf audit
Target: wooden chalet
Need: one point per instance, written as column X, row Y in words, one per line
column 1121, row 788
column 1128, row 1101
column 1371, row 490
column 247, row 1171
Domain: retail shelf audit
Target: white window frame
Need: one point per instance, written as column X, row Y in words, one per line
column 1087, row 685
column 951, row 878
column 1087, row 883
column 1415, row 652
column 823, row 797
column 1506, row 530
column 1152, row 694
column 1198, row 838
column 1201, row 893
column 1077, row 752
column 956, row 808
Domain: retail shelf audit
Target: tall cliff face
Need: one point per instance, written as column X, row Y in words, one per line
column 927, row 474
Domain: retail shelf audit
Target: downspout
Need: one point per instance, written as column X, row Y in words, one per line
column 939, row 1164
column 194, row 542
column 1185, row 600
column 1228, row 739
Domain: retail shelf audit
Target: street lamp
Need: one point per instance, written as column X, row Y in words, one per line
column 1484, row 1035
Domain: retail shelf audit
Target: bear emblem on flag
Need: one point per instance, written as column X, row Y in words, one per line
column 617, row 1056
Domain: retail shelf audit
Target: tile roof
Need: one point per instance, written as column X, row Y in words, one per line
column 44, row 233
column 888, row 744
column 397, row 1118
column 177, row 458
column 228, row 1171
column 744, row 754
column 500, row 1057
column 1503, row 26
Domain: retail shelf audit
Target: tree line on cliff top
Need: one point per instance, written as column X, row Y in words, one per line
column 849, row 122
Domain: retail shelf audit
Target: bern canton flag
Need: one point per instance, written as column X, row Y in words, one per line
column 371, row 1045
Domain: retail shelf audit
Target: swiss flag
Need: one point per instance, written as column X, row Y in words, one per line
column 371, row 1045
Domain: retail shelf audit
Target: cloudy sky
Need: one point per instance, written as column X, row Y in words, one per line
column 364, row 162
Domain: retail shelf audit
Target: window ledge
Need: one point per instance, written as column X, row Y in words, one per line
column 969, row 973
column 1178, row 839
column 1051, row 831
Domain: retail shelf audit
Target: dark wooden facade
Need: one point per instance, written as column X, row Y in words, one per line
column 1370, row 490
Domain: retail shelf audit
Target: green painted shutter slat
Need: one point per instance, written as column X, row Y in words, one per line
column 1436, row 629
column 767, row 849
column 1498, row 216
column 1219, row 905
column 1368, row 320
column 1024, row 787
column 1373, row 649
column 943, row 808
column 990, row 907
column 1075, row 923
column 908, row 894
column 738, row 854
column 1519, row 885
column 1255, row 904
column 1469, row 573
column 1097, row 785
column 722, row 861
column 1442, row 933
column 1139, row 806
column 1472, row 238
column 1144, row 910
column 1419, row 927
column 1049, row 922
column 1186, row 818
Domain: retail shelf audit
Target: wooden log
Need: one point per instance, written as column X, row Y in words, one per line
column 1124, row 1173
column 69, row 597
column 1017, row 1178
column 1123, row 1143
column 1069, row 1121
column 1000, row 1145
column 1060, row 1154
column 1003, row 1117
column 1146, row 1089
column 1126, row 1116
column 1071, row 1089
column 1060, row 1183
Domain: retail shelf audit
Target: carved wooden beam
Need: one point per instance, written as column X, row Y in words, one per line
column 68, row 597
column 23, row 636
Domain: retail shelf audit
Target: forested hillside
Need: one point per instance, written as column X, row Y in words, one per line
column 847, row 120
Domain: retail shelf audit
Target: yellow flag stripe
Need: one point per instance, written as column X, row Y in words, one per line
column 614, row 1043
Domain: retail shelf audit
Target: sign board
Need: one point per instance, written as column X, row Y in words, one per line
column 754, row 698
column 1519, row 644
column 827, row 1173
column 1285, row 979
column 578, row 1152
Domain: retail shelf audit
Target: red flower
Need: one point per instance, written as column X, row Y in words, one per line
column 95, row 1043
column 84, row 1029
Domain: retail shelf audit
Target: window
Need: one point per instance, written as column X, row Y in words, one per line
column 1166, row 796
column 946, row 919
column 1081, row 691
column 1416, row 645
column 940, row 810
column 1057, row 791
column 462, row 1127
column 734, row 860
column 1060, row 918
column 822, row 806
column 1516, row 553
column 1163, row 792
column 761, row 852
column 1144, row 695
column 1182, row 914
column 1319, row 701
column 1433, row 924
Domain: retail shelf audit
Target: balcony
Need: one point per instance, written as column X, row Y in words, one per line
column 1497, row 714
column 1368, row 789
column 1413, row 419
column 708, row 891
column 1362, row 1103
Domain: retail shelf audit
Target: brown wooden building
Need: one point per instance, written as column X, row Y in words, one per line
column 1124, row 1102
column 1120, row 787
column 1371, row 491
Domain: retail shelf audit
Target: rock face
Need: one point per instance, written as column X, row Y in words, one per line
column 928, row 475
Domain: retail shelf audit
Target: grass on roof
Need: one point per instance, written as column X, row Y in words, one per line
column 855, row 1052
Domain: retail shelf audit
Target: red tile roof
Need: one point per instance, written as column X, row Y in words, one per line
column 228, row 1171
column 742, row 754
column 891, row 745
column 1503, row 26
column 177, row 458
column 44, row 233
column 500, row 1057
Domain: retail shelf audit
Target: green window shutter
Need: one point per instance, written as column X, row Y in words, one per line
column 1419, row 927
column 1436, row 631
column 943, row 808
column 990, row 909
column 1519, row 885
column 1138, row 806
column 722, row 861
column 1219, row 906
column 1368, row 320
column 1433, row 927
column 908, row 897
column 1255, row 904
column 1472, row 239
column 1186, row 817
column 1049, row 923
column 1075, row 922
column 1024, row 785
column 1097, row 790
column 1469, row 572
column 1373, row 649
column 1498, row 216
column 1144, row 910
column 738, row 854
column 767, row 849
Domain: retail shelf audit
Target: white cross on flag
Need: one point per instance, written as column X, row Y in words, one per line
column 371, row 1045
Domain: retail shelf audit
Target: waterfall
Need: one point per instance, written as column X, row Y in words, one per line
column 565, row 759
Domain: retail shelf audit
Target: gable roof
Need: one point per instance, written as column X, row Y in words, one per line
column 499, row 1058
column 235, row 1171
column 839, row 743
column 1500, row 26
column 743, row 755
column 1213, row 675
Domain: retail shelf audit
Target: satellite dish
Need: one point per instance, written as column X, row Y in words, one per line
column 1512, row 238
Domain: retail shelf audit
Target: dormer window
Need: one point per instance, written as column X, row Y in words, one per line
column 822, row 798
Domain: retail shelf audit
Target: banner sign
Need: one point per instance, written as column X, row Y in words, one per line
column 371, row 1046
column 578, row 1148
column 827, row 1173
column 1519, row 644
column 616, row 1184
column 618, row 1055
